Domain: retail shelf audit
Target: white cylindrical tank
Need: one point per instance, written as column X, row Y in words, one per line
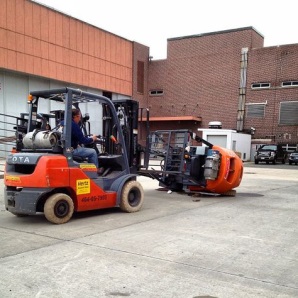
column 211, row 166
column 40, row 140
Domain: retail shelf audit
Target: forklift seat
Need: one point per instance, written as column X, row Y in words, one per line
column 196, row 167
column 115, row 162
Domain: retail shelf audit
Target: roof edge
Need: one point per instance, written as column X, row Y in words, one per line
column 215, row 32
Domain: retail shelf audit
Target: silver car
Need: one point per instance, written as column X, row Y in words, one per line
column 293, row 158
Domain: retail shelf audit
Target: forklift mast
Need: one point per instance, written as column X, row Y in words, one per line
column 127, row 112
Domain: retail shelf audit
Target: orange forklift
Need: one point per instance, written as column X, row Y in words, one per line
column 42, row 175
column 182, row 161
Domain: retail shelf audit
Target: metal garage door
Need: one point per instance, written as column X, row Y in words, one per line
column 218, row 140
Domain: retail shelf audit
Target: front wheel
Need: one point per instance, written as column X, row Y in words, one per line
column 58, row 208
column 132, row 197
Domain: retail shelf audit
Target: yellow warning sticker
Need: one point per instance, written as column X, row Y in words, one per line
column 12, row 178
column 83, row 186
column 87, row 166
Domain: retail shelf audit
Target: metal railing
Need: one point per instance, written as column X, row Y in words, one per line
column 8, row 130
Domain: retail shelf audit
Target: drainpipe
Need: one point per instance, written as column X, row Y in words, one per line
column 242, row 89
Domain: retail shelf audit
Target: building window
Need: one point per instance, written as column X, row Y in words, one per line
column 140, row 77
column 288, row 114
column 255, row 110
column 289, row 84
column 156, row 92
column 260, row 85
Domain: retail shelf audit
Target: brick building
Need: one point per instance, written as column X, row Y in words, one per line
column 225, row 76
column 272, row 94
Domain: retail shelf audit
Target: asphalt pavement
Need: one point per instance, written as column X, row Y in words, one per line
column 176, row 246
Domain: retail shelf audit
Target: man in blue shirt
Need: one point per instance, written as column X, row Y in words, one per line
column 78, row 139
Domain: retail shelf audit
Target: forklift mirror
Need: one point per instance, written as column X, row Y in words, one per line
column 86, row 117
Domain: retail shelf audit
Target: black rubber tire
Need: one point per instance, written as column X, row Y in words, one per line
column 58, row 208
column 256, row 162
column 290, row 162
column 132, row 197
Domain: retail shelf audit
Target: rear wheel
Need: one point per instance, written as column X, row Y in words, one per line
column 58, row 208
column 132, row 197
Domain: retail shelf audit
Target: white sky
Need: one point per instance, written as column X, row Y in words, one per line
column 152, row 22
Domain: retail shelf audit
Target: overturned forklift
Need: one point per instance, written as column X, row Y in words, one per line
column 182, row 161
column 42, row 175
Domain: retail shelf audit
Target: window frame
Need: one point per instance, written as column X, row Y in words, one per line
column 156, row 92
column 263, row 85
column 288, row 84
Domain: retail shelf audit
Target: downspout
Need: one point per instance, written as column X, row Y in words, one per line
column 242, row 89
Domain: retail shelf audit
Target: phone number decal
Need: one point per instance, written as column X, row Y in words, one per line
column 94, row 198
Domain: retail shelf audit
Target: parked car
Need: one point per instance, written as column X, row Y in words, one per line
column 293, row 158
column 270, row 153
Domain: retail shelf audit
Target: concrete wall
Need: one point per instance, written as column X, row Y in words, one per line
column 14, row 90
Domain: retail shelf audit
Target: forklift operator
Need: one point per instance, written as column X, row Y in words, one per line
column 77, row 139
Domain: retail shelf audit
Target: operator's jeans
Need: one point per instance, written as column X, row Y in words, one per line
column 87, row 153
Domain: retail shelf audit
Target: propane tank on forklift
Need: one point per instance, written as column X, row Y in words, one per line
column 211, row 166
